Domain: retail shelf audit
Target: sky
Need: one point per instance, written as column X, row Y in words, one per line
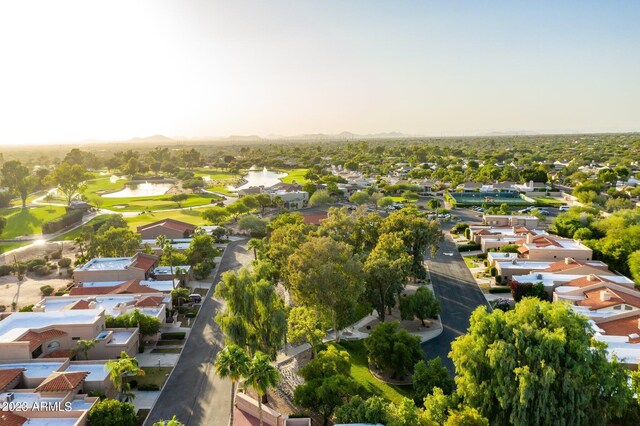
column 78, row 70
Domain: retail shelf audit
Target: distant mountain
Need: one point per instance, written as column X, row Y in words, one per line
column 154, row 138
column 341, row 136
column 512, row 133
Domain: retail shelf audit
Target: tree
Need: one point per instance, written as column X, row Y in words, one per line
column 232, row 362
column 109, row 412
column 257, row 227
column 433, row 204
column 418, row 234
column 320, row 198
column 536, row 364
column 264, row 200
column 201, row 249
column 179, row 296
column 15, row 176
column 260, row 377
column 359, row 198
column 119, row 369
column 429, row 375
column 509, row 248
column 323, row 274
column 256, row 244
column 114, row 242
column 305, row 326
column 522, row 290
column 84, row 346
column 422, row 305
column 391, row 350
column 69, row 179
column 237, row 208
column 437, row 406
column 327, row 383
column 178, row 199
column 215, row 215
column 167, row 251
column 467, row 416
column 255, row 317
column 634, row 265
column 148, row 325
column 372, row 410
column 385, row 202
column 173, row 422
column 386, row 269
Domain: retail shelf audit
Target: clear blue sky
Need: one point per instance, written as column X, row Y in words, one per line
column 83, row 69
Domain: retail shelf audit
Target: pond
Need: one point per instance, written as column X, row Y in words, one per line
column 141, row 189
column 262, row 177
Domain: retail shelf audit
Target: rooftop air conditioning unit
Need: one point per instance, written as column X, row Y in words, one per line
column 7, row 397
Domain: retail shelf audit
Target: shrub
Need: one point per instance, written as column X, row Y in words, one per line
column 521, row 290
column 28, row 308
column 35, row 262
column 46, row 290
column 148, row 387
column 65, row 262
column 175, row 335
column 5, row 270
column 42, row 270
column 500, row 289
column 56, row 255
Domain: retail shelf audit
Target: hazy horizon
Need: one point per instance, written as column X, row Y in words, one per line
column 196, row 69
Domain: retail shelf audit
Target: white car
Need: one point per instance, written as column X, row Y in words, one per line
column 448, row 253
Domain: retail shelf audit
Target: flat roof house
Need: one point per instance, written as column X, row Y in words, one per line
column 170, row 228
column 547, row 247
column 140, row 266
column 509, row 267
column 530, row 222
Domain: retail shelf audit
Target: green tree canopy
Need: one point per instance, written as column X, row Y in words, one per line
column 109, row 412
column 536, row 365
column 393, row 350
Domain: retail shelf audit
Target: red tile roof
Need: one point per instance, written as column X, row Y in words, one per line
column 60, row 353
column 62, row 381
column 8, row 418
column 149, row 302
column 80, row 304
column 562, row 265
column 587, row 281
column 127, row 287
column 8, row 376
column 314, row 219
column 540, row 241
column 144, row 262
column 622, row 327
column 35, row 338
column 594, row 301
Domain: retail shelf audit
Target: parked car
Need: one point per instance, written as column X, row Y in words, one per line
column 195, row 298
column 564, row 208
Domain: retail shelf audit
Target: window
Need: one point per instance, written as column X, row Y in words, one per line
column 628, row 308
column 617, row 307
column 75, row 338
column 53, row 346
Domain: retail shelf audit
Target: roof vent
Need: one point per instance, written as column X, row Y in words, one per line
column 591, row 277
column 568, row 260
column 605, row 295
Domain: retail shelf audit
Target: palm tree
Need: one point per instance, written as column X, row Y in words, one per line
column 167, row 251
column 85, row 346
column 118, row 368
column 232, row 362
column 255, row 244
column 262, row 376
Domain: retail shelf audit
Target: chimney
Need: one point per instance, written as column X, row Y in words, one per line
column 568, row 261
column 529, row 238
column 591, row 277
column 92, row 304
column 605, row 295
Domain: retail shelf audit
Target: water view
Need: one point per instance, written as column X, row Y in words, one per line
column 142, row 189
column 262, row 177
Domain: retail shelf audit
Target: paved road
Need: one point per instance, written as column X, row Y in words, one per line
column 459, row 296
column 193, row 392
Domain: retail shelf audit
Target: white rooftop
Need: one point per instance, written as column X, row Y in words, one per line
column 107, row 264
column 34, row 370
column 109, row 303
column 18, row 323
column 97, row 372
column 166, row 270
column 523, row 264
column 551, row 278
column 159, row 285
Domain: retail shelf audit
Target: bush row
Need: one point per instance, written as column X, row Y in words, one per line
column 62, row 222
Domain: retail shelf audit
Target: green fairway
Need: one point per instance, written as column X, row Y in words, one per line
column 97, row 187
column 185, row 215
column 28, row 221
column 548, row 202
column 295, row 174
column 361, row 374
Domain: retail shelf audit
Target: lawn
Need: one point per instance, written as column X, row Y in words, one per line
column 295, row 174
column 190, row 216
column 154, row 375
column 28, row 221
column 361, row 374
column 5, row 247
column 548, row 202
column 400, row 199
column 473, row 261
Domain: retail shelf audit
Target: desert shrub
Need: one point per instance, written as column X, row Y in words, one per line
column 5, row 270
column 42, row 270
column 46, row 290
column 65, row 262
column 28, row 308
column 35, row 262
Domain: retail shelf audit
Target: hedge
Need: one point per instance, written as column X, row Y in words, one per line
column 148, row 387
column 5, row 270
column 175, row 335
column 62, row 222
column 469, row 247
column 501, row 289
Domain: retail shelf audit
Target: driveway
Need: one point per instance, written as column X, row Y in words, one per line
column 459, row 296
column 193, row 393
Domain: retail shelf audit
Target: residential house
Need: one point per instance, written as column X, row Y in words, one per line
column 530, row 222
column 170, row 228
column 140, row 266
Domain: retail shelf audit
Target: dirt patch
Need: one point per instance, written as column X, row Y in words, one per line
column 28, row 291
